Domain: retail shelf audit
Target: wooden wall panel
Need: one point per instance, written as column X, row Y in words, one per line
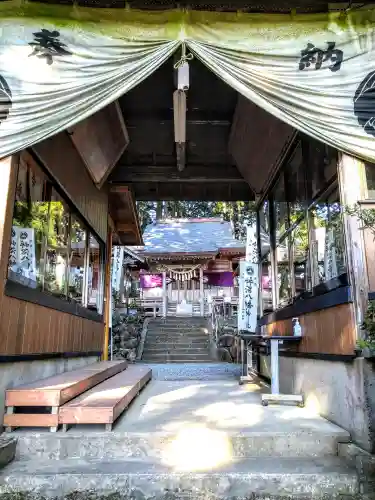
column 28, row 328
column 61, row 158
column 330, row 331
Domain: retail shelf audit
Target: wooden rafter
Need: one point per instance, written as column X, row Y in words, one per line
column 124, row 214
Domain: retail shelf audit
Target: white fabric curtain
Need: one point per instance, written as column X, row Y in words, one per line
column 59, row 65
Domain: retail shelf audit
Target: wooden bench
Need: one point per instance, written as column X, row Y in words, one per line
column 105, row 402
column 53, row 392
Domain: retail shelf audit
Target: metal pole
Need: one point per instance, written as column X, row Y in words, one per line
column 164, row 294
column 274, row 366
column 249, row 359
column 108, row 293
column 110, row 323
column 243, row 357
column 201, row 290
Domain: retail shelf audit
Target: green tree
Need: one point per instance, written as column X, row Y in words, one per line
column 239, row 213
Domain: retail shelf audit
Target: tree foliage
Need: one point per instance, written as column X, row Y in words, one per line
column 239, row 213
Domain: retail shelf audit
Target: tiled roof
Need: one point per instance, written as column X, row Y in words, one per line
column 189, row 236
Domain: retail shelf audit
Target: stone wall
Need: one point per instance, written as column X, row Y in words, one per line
column 342, row 392
column 24, row 372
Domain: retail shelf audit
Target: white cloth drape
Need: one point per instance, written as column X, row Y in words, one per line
column 315, row 72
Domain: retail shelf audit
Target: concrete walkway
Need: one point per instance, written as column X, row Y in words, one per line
column 194, row 416
column 185, row 439
column 219, row 404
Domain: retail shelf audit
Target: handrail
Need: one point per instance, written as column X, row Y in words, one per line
column 218, row 313
column 215, row 315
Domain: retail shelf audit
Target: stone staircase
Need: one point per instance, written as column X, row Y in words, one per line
column 177, row 340
column 185, row 440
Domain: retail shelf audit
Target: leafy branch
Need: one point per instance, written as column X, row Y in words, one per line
column 369, row 326
column 366, row 216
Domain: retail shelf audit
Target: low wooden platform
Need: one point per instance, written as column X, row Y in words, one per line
column 53, row 392
column 105, row 402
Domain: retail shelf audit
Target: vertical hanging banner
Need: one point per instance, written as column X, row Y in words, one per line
column 22, row 265
column 249, row 284
column 251, row 244
column 116, row 268
column 330, row 261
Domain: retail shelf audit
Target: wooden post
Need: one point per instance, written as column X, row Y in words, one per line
column 107, row 295
column 164, row 294
column 201, row 288
column 350, row 174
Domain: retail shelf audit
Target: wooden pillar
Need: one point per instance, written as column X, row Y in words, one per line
column 201, row 288
column 165, row 301
column 350, row 174
column 107, row 294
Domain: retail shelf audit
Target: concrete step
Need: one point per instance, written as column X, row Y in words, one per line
column 179, row 321
column 177, row 357
column 178, row 330
column 159, row 445
column 274, row 479
column 182, row 344
column 212, row 372
column 174, row 349
column 178, row 360
column 197, row 357
column 178, row 336
column 171, row 342
column 178, row 327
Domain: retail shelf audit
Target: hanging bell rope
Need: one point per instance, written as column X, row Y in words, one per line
column 184, row 57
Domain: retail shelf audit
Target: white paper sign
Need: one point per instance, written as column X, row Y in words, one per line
column 248, row 296
column 330, row 262
column 116, row 269
column 22, row 255
column 251, row 244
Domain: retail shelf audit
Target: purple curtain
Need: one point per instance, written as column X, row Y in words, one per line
column 219, row 279
column 151, row 280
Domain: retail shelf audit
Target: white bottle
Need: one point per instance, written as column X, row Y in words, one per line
column 297, row 330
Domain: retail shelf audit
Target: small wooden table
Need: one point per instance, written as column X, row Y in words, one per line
column 275, row 396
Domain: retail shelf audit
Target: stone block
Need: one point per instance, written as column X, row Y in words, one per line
column 7, row 450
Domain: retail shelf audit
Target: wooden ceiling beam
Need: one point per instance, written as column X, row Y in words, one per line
column 198, row 116
column 226, row 5
column 126, row 228
column 195, row 191
column 129, row 174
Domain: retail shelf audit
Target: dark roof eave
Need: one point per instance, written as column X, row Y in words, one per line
column 176, row 255
column 233, row 251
